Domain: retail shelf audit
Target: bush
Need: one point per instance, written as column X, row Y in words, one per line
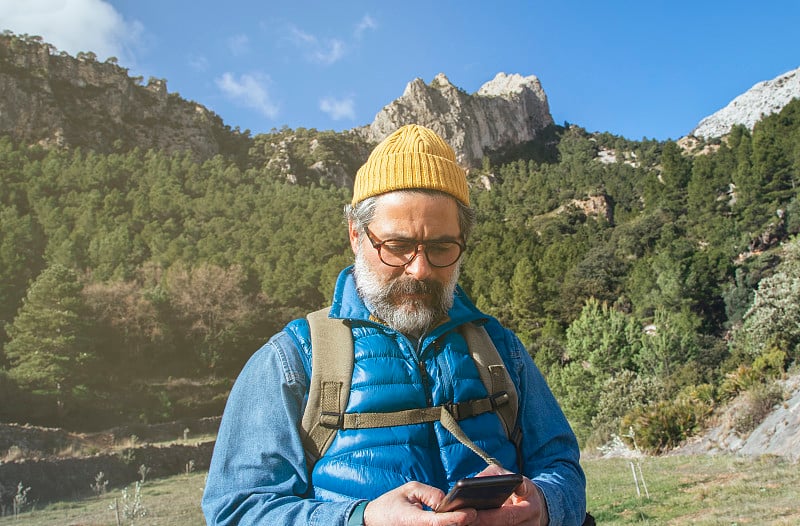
column 771, row 363
column 741, row 379
column 773, row 319
column 765, row 367
column 758, row 402
column 620, row 395
column 663, row 425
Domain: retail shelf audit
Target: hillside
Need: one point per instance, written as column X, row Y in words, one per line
column 777, row 434
column 53, row 99
column 651, row 285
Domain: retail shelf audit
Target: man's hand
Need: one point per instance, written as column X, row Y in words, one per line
column 526, row 506
column 403, row 506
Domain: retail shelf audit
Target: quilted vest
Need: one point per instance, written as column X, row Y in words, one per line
column 390, row 374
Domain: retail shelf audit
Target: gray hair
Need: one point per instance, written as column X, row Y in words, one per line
column 363, row 212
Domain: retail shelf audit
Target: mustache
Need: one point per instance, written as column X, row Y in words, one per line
column 415, row 286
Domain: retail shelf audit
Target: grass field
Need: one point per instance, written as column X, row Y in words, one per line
column 173, row 501
column 702, row 490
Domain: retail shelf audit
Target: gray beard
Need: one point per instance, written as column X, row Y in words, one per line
column 386, row 301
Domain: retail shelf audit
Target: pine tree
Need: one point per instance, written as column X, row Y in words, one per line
column 20, row 260
column 48, row 349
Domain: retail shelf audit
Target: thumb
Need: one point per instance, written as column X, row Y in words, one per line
column 493, row 469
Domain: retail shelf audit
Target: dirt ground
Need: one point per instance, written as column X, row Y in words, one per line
column 57, row 464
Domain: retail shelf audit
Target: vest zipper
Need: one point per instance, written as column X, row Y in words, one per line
column 423, row 373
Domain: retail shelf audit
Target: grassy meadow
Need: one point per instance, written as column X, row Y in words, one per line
column 703, row 490
column 672, row 490
column 172, row 501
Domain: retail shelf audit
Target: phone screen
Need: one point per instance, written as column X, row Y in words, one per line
column 480, row 492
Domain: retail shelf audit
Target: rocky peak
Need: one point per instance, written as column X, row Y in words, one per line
column 442, row 82
column 503, row 84
column 506, row 111
column 56, row 100
column 763, row 99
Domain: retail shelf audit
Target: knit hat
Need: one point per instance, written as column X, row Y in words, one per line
column 413, row 157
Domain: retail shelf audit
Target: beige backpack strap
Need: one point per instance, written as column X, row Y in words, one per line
column 329, row 387
column 332, row 362
column 495, row 377
column 502, row 399
column 443, row 414
column 451, row 424
column 419, row 415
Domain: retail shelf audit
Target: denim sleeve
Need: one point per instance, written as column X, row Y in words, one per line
column 258, row 470
column 551, row 455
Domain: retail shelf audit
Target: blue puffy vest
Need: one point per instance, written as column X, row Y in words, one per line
column 391, row 374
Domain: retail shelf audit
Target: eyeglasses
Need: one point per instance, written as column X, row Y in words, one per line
column 401, row 252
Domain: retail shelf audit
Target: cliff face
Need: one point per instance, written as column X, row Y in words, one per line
column 54, row 99
column 506, row 111
column 765, row 98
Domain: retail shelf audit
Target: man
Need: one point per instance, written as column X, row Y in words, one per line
column 408, row 225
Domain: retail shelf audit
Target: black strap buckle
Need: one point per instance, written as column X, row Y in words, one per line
column 498, row 399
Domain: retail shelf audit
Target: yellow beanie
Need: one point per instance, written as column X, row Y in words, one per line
column 413, row 157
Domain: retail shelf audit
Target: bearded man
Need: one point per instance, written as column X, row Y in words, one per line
column 408, row 224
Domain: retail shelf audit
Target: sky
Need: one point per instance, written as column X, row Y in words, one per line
column 649, row 69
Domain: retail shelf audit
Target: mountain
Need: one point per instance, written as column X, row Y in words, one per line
column 50, row 98
column 56, row 100
column 506, row 111
column 764, row 98
column 178, row 269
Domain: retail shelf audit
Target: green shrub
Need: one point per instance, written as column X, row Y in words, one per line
column 737, row 381
column 664, row 424
column 767, row 366
column 771, row 363
column 621, row 394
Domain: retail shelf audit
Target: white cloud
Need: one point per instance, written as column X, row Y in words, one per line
column 367, row 22
column 338, row 109
column 198, row 62
column 74, row 25
column 249, row 91
column 327, row 52
column 239, row 45
column 302, row 37
column 331, row 52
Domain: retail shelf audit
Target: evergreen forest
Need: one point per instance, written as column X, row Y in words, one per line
column 650, row 286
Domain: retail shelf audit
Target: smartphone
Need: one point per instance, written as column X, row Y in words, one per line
column 480, row 493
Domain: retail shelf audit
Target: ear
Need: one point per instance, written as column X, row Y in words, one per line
column 353, row 233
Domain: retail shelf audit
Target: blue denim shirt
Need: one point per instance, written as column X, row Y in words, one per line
column 258, row 472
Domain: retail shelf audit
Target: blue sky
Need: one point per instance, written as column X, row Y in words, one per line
column 637, row 69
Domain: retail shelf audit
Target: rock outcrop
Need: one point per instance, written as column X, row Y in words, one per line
column 778, row 434
column 506, row 111
column 56, row 100
column 765, row 98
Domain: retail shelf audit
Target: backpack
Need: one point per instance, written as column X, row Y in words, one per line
column 329, row 390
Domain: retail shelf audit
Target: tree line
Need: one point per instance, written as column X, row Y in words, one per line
column 122, row 272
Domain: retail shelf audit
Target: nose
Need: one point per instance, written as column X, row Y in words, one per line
column 419, row 268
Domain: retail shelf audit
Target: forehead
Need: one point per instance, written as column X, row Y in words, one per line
column 416, row 214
